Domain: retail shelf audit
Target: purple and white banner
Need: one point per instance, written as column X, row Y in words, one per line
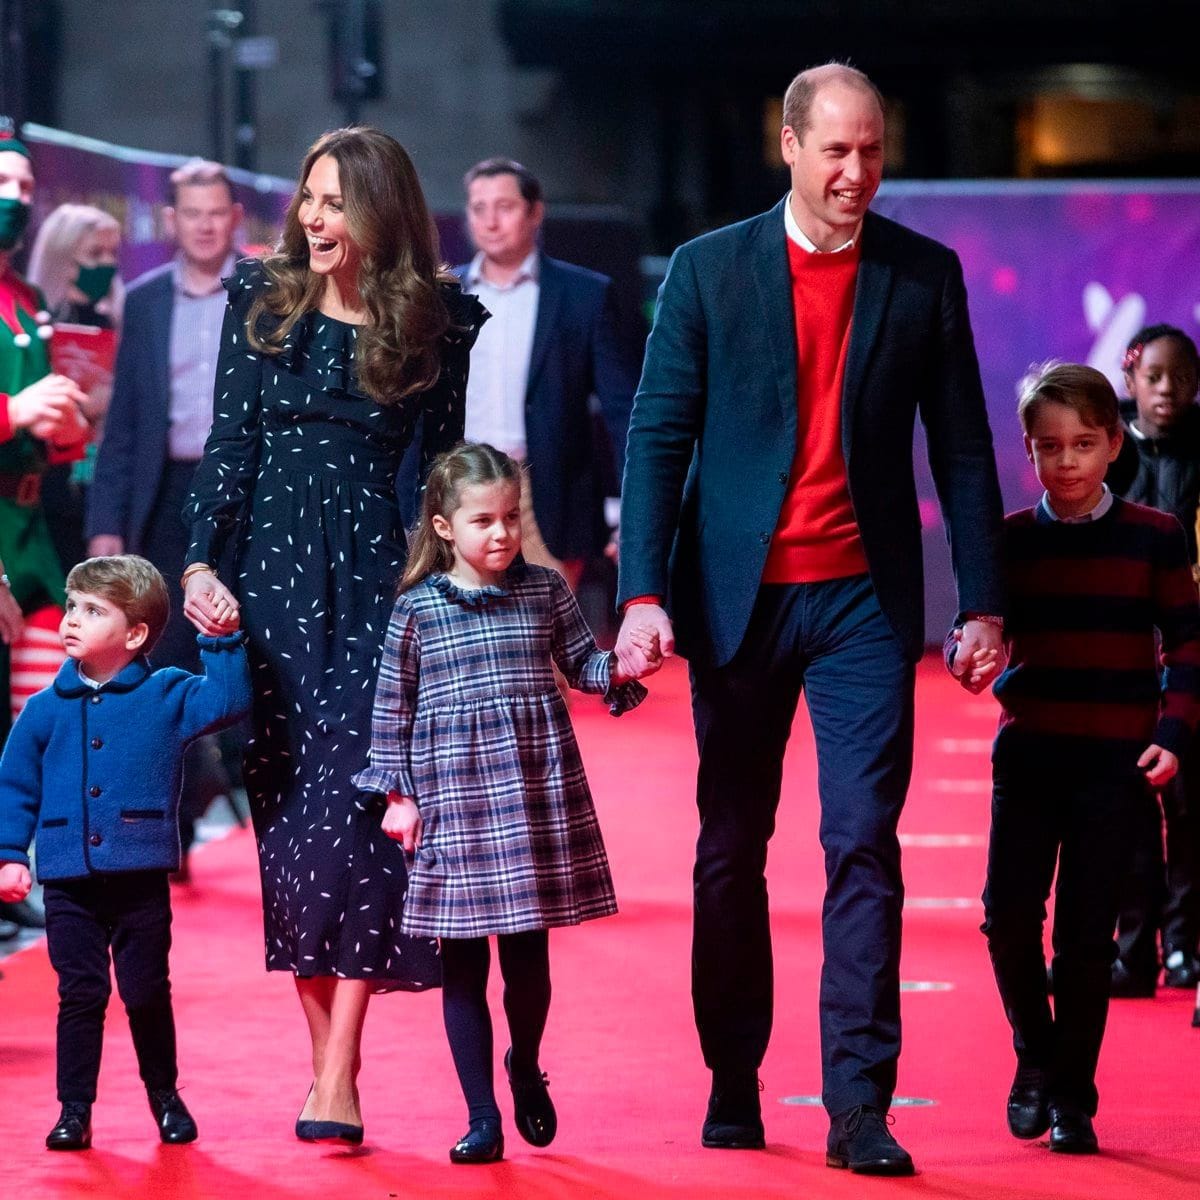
column 1053, row 270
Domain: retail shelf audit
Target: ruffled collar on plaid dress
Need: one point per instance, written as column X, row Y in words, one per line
column 478, row 597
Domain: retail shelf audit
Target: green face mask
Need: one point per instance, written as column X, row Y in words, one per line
column 94, row 282
column 14, row 216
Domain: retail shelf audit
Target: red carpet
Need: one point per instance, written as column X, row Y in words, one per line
column 621, row 1050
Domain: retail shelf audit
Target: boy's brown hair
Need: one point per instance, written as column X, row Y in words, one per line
column 130, row 582
column 1083, row 389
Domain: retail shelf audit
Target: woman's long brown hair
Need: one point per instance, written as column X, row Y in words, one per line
column 386, row 215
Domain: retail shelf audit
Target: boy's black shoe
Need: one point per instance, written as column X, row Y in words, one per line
column 1071, row 1130
column 533, row 1110
column 74, row 1128
column 1180, row 969
column 734, row 1117
column 860, row 1139
column 1028, row 1114
column 22, row 913
column 1125, row 985
column 175, row 1124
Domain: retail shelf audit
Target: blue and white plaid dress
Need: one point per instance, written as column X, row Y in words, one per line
column 469, row 721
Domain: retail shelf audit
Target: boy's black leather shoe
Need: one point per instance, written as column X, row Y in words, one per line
column 1125, row 985
column 1180, row 969
column 175, row 1124
column 734, row 1117
column 74, row 1128
column 1071, row 1130
column 861, row 1140
column 1028, row 1113
column 482, row 1143
column 533, row 1110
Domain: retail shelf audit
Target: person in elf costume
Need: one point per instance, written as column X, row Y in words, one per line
column 40, row 423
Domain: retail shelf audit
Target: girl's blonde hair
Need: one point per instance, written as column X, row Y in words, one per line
column 52, row 262
column 467, row 464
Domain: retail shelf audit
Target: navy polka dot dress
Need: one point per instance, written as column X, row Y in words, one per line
column 301, row 465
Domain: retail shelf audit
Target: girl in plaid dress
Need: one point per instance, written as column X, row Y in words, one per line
column 472, row 745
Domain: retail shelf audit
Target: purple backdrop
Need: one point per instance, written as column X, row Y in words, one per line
column 1053, row 270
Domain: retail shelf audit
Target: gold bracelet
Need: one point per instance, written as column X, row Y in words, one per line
column 194, row 569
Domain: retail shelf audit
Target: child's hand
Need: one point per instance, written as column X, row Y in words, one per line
column 645, row 638
column 15, row 882
column 402, row 821
column 1164, row 768
column 974, row 669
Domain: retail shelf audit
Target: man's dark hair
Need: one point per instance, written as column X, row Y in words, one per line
column 527, row 181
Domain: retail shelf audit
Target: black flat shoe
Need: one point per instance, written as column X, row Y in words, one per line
column 74, row 1128
column 533, row 1110
column 482, row 1143
column 175, row 1123
column 1028, row 1114
column 1071, row 1131
column 734, row 1117
column 329, row 1131
column 861, row 1141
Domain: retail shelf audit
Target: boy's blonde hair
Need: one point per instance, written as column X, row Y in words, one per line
column 133, row 584
column 1084, row 390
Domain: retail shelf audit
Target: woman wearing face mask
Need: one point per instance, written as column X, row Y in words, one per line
column 74, row 263
column 40, row 423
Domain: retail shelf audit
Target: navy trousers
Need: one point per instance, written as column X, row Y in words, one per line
column 1082, row 822
column 129, row 916
column 832, row 642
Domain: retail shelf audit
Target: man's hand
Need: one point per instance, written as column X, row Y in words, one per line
column 980, row 656
column 103, row 545
column 641, row 625
column 1165, row 764
column 15, row 882
column 402, row 821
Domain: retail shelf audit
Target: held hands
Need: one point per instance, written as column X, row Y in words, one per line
column 51, row 409
column 980, row 656
column 105, row 544
column 402, row 821
column 15, row 882
column 209, row 604
column 1164, row 768
column 645, row 641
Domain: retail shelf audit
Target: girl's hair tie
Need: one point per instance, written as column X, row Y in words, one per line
column 1132, row 355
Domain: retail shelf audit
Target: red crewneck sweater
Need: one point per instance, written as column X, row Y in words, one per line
column 817, row 537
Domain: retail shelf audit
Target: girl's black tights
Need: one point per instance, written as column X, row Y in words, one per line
column 525, row 966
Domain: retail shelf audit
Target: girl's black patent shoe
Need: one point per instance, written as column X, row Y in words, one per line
column 482, row 1143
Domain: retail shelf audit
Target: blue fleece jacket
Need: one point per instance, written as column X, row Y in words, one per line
column 96, row 772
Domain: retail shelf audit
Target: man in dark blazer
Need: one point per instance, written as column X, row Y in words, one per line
column 769, row 504
column 551, row 344
column 159, row 418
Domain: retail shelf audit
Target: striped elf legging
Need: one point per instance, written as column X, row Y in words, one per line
column 35, row 656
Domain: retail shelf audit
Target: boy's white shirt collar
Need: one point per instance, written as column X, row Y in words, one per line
column 1102, row 506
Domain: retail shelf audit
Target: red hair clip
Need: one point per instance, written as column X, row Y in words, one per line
column 1132, row 355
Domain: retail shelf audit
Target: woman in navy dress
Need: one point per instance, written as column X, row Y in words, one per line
column 333, row 348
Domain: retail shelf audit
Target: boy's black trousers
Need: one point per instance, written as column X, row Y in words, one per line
column 1063, row 810
column 127, row 915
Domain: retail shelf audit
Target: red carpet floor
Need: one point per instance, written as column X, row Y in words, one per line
column 621, row 1050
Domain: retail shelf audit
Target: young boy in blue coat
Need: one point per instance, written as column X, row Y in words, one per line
column 94, row 766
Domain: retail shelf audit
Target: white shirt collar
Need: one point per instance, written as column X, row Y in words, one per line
column 530, row 269
column 802, row 239
column 1102, row 506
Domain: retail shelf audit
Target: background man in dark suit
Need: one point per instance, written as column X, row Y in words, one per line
column 159, row 418
column 770, row 443
column 551, row 344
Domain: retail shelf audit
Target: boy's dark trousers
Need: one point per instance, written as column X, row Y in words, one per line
column 129, row 914
column 1080, row 815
